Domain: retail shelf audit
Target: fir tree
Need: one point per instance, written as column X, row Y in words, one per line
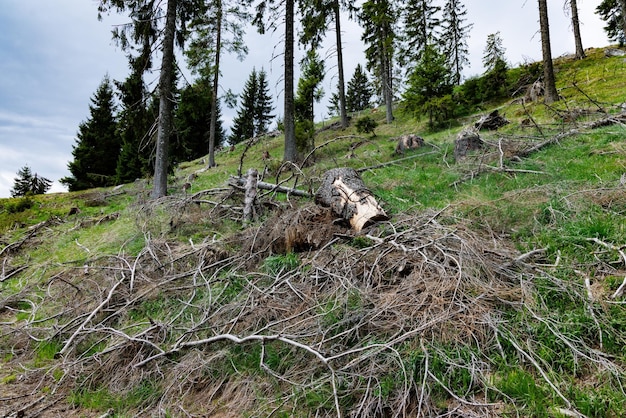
column 97, row 145
column 613, row 12
column 28, row 183
column 360, row 91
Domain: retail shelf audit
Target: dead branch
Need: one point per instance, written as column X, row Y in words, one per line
column 241, row 181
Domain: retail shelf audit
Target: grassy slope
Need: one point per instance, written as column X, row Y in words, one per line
column 546, row 343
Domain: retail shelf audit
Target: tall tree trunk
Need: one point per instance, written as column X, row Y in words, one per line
column 622, row 4
column 551, row 95
column 166, row 104
column 216, row 76
column 387, row 90
column 289, row 123
column 580, row 52
column 343, row 115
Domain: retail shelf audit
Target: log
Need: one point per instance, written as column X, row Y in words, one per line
column 251, row 191
column 344, row 191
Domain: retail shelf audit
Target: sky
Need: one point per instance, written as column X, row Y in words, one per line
column 55, row 53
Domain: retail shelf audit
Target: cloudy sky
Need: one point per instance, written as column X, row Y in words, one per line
column 55, row 53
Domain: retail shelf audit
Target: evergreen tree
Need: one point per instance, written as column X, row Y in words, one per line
column 613, row 12
column 454, row 36
column 134, row 122
column 262, row 104
column 493, row 52
column 218, row 20
column 192, row 122
column 379, row 18
column 243, row 124
column 307, row 94
column 360, row 92
column 421, row 22
column 428, row 85
column 28, row 183
column 97, row 145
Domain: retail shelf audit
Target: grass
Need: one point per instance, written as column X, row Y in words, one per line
column 571, row 203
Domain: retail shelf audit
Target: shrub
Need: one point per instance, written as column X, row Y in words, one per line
column 366, row 125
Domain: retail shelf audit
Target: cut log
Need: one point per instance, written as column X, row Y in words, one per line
column 251, row 191
column 344, row 191
column 467, row 140
column 241, row 181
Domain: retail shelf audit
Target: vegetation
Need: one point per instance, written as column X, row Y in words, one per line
column 26, row 183
column 496, row 289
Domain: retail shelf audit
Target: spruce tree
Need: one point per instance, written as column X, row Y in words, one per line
column 262, row 104
column 421, row 22
column 493, row 52
column 243, row 123
column 613, row 12
column 428, row 85
column 379, row 19
column 359, row 93
column 192, row 122
column 134, row 123
column 454, row 36
column 28, row 183
column 97, row 144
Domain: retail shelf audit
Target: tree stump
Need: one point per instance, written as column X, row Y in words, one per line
column 343, row 190
column 492, row 121
column 410, row 141
column 467, row 140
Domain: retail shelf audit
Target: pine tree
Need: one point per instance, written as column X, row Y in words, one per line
column 97, row 145
column 28, row 183
column 580, row 51
column 307, row 94
column 454, row 36
column 360, row 92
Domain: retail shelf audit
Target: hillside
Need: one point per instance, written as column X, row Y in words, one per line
column 495, row 289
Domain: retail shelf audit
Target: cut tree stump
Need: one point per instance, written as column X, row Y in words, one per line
column 410, row 141
column 344, row 191
column 493, row 121
column 467, row 140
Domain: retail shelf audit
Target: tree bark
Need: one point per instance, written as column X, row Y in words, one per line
column 580, row 52
column 343, row 190
column 622, row 4
column 289, row 122
column 251, row 192
column 551, row 95
column 216, row 76
column 166, row 104
column 343, row 115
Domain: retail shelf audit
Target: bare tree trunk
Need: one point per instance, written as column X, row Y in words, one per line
column 551, row 95
column 580, row 52
column 166, row 105
column 289, row 122
column 216, row 76
column 250, row 197
column 343, row 115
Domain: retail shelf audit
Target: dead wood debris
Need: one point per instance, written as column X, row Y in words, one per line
column 342, row 319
